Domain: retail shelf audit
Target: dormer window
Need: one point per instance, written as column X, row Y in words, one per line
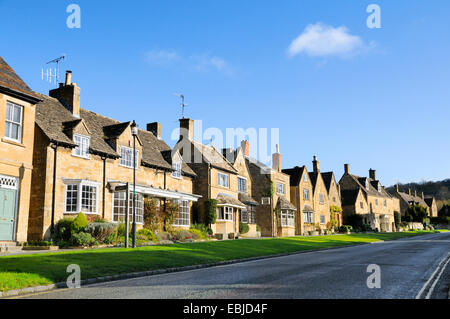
column 177, row 170
column 367, row 184
column 83, row 143
column 379, row 187
column 126, row 157
column 305, row 178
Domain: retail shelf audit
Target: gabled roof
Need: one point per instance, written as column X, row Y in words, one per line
column 328, row 177
column 213, row 156
column 429, row 201
column 224, row 200
column 54, row 120
column 354, row 182
column 12, row 84
column 412, row 198
column 295, row 174
column 349, row 197
column 246, row 199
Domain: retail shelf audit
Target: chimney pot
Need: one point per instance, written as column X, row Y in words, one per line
column 245, row 145
column 155, row 129
column 68, row 77
column 276, row 159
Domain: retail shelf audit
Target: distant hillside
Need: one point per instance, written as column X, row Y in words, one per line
column 440, row 190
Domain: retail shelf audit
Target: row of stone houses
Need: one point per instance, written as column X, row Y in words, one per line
column 58, row 159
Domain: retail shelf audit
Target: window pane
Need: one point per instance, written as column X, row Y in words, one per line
column 16, row 114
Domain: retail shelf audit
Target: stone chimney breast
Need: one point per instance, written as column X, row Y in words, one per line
column 68, row 94
column 155, row 129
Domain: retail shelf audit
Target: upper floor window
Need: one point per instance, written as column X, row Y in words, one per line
column 177, row 170
column 306, row 194
column 281, row 189
column 321, row 198
column 82, row 142
column 385, row 203
column 305, row 178
column 361, row 204
column 367, row 184
column 242, row 185
column 223, row 180
column 13, row 121
column 376, row 202
column 126, row 157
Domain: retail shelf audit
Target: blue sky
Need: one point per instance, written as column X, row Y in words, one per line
column 378, row 99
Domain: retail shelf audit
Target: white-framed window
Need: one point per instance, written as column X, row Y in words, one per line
column 308, row 217
column 281, row 189
column 119, row 207
column 305, row 178
column 224, row 180
column 306, row 194
column 321, row 199
column 367, row 184
column 83, row 143
column 322, row 219
column 177, row 170
column 244, row 216
column 287, row 218
column 225, row 213
column 81, row 196
column 242, row 184
column 184, row 216
column 265, row 201
column 251, row 209
column 13, row 122
column 126, row 157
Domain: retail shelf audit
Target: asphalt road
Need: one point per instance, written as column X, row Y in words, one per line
column 405, row 266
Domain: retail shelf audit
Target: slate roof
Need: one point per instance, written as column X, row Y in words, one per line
column 327, row 179
column 349, row 197
column 313, row 178
column 213, row 156
column 54, row 120
column 228, row 200
column 350, row 181
column 295, row 174
column 246, row 199
column 12, row 84
column 283, row 203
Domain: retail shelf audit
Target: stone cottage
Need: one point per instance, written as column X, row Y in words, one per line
column 17, row 113
column 83, row 160
column 366, row 196
column 412, row 198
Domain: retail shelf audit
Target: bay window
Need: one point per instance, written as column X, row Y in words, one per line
column 225, row 213
column 184, row 218
column 81, row 196
column 287, row 218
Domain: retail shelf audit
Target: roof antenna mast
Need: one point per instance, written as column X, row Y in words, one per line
column 183, row 105
column 55, row 76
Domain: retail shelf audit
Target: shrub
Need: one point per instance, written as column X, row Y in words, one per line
column 203, row 228
column 101, row 230
column 258, row 228
column 243, row 228
column 366, row 227
column 198, row 234
column 38, row 243
column 210, row 211
column 397, row 219
column 63, row 229
column 416, row 213
column 110, row 239
column 182, row 235
column 147, row 234
column 163, row 236
column 82, row 239
column 80, row 223
column 345, row 228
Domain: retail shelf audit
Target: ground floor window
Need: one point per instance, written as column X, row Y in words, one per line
column 322, row 219
column 184, row 217
column 248, row 215
column 308, row 217
column 287, row 218
column 225, row 213
column 119, row 207
column 82, row 196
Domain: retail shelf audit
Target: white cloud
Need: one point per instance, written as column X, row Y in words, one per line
column 162, row 57
column 318, row 40
column 200, row 63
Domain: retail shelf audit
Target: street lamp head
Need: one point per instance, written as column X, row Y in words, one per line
column 134, row 128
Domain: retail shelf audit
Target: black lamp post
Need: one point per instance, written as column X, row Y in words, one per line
column 134, row 132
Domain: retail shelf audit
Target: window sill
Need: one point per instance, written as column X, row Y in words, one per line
column 74, row 213
column 12, row 142
column 82, row 157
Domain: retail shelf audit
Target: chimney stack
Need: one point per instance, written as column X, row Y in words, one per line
column 423, row 195
column 415, row 193
column 373, row 174
column 347, row 168
column 316, row 165
column 396, row 188
column 276, row 159
column 186, row 129
column 155, row 129
column 245, row 145
column 409, row 191
column 68, row 94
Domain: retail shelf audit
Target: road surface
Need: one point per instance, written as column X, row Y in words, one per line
column 405, row 265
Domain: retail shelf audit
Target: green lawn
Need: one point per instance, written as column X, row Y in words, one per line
column 23, row 271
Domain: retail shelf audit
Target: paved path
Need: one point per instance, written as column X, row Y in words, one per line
column 406, row 265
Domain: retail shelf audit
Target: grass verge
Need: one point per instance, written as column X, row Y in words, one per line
column 22, row 271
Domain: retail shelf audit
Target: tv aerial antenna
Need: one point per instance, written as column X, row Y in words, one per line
column 49, row 73
column 183, row 105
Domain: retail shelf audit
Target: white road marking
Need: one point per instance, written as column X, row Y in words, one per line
column 443, row 263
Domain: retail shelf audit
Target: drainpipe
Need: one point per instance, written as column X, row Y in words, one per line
column 54, row 146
